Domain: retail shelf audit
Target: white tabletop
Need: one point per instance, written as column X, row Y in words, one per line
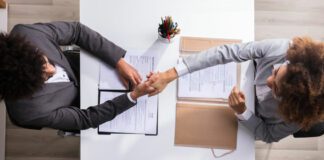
column 132, row 24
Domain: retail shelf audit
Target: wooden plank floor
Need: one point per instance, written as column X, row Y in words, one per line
column 289, row 18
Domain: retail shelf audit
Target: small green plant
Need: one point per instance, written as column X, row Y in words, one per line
column 168, row 29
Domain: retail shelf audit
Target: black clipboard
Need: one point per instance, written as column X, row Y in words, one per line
column 125, row 91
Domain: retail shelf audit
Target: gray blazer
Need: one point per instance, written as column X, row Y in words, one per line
column 266, row 124
column 52, row 105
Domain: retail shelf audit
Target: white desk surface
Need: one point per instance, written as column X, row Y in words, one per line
column 132, row 24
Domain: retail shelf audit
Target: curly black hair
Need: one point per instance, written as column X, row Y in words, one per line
column 303, row 85
column 21, row 67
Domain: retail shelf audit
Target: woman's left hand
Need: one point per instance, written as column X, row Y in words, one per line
column 236, row 101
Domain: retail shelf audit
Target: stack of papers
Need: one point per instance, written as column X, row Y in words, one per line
column 142, row 118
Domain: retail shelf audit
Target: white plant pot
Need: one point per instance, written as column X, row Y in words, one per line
column 165, row 40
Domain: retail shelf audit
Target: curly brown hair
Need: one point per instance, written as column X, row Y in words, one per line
column 21, row 67
column 302, row 87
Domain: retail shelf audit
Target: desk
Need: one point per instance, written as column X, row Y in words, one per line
column 133, row 25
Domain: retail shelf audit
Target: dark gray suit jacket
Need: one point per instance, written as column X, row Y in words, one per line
column 52, row 105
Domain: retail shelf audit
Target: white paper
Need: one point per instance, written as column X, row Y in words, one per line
column 110, row 79
column 212, row 82
column 141, row 118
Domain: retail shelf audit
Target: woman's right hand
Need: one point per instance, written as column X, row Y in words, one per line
column 160, row 80
column 141, row 90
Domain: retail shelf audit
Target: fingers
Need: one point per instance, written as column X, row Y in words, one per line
column 153, row 84
column 148, row 87
column 236, row 101
column 154, row 79
column 242, row 95
column 137, row 78
column 125, row 82
column 237, row 95
column 133, row 82
column 230, row 100
column 149, row 75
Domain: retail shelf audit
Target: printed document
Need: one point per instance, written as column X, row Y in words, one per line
column 212, row 82
column 141, row 118
column 109, row 78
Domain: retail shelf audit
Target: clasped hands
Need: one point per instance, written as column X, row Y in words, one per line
column 156, row 82
column 153, row 85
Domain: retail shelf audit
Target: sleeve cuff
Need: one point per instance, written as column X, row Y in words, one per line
column 130, row 98
column 181, row 68
column 245, row 115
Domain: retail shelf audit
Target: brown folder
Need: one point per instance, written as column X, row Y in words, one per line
column 197, row 44
column 2, row 4
column 205, row 122
column 208, row 126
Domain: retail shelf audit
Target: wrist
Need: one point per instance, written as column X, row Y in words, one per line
column 134, row 95
column 120, row 62
column 241, row 110
column 170, row 75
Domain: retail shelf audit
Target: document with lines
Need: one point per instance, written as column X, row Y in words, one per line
column 140, row 119
column 109, row 78
column 212, row 82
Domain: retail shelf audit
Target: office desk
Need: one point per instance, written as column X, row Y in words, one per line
column 133, row 25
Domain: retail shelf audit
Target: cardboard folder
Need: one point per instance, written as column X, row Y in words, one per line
column 205, row 122
column 208, row 126
column 2, row 4
column 197, row 44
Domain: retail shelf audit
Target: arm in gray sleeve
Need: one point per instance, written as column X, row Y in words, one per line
column 269, row 132
column 235, row 53
column 67, row 33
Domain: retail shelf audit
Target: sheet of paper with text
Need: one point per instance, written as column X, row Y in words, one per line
column 142, row 118
column 212, row 82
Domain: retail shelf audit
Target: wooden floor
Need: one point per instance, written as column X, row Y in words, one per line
column 287, row 19
column 273, row 19
column 26, row 144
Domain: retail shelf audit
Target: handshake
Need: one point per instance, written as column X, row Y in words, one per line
column 154, row 84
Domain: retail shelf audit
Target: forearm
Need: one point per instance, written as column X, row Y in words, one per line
column 73, row 118
column 268, row 132
column 170, row 75
column 67, row 33
column 99, row 46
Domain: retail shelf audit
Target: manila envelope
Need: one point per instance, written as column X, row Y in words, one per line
column 207, row 126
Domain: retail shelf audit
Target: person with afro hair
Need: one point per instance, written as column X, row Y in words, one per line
column 39, row 83
column 289, row 83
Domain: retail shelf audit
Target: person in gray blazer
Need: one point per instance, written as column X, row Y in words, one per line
column 40, row 83
column 289, row 83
